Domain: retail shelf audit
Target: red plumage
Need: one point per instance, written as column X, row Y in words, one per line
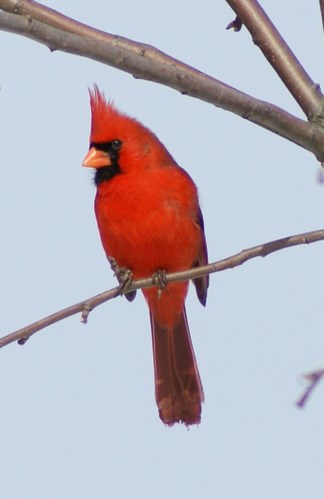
column 149, row 220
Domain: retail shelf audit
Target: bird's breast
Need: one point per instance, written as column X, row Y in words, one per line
column 148, row 225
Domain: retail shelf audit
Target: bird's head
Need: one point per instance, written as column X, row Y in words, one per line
column 119, row 143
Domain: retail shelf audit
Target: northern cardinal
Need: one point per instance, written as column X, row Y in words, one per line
column 150, row 221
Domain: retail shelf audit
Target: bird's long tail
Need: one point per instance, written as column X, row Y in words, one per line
column 178, row 389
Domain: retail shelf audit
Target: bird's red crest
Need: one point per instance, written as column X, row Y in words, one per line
column 108, row 123
column 103, row 115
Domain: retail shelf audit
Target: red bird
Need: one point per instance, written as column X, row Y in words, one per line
column 149, row 221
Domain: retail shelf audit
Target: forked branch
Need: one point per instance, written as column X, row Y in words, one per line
column 59, row 32
column 282, row 59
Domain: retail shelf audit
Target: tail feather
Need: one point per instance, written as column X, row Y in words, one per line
column 178, row 389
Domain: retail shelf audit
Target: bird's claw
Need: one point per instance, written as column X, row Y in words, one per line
column 124, row 277
column 159, row 279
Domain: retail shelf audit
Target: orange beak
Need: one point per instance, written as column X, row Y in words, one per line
column 96, row 159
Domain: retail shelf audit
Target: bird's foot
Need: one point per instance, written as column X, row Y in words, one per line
column 160, row 280
column 124, row 277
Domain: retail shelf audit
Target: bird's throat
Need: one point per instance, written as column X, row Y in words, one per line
column 106, row 173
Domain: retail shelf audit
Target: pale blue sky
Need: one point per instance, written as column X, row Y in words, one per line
column 78, row 417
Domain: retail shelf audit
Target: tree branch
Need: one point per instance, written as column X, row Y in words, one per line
column 313, row 379
column 145, row 61
column 22, row 335
column 321, row 2
column 281, row 58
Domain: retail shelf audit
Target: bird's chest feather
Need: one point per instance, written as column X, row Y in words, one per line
column 148, row 223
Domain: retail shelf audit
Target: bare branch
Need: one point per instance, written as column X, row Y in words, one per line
column 22, row 335
column 313, row 379
column 39, row 12
column 145, row 61
column 282, row 59
column 321, row 2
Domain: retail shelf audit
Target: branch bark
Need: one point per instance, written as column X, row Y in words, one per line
column 281, row 58
column 86, row 306
column 59, row 32
column 321, row 2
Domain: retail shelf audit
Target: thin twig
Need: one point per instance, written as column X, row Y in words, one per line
column 22, row 335
column 145, row 61
column 236, row 24
column 313, row 378
column 281, row 57
column 321, row 2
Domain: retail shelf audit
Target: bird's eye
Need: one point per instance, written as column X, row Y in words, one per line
column 116, row 144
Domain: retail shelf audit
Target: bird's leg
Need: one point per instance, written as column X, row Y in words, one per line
column 160, row 280
column 124, row 277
